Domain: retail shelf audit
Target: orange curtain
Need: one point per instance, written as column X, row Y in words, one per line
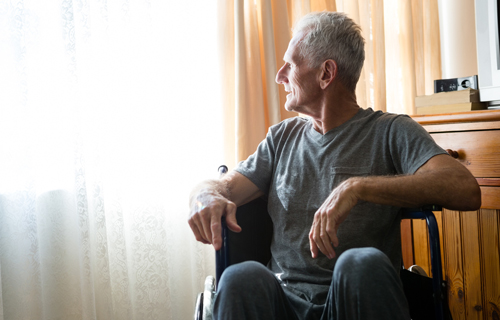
column 403, row 56
column 402, row 59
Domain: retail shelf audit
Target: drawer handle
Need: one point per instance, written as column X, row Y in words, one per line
column 452, row 153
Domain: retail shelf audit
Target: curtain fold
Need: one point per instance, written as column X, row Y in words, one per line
column 402, row 59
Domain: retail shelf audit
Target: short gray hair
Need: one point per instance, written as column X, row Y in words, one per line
column 333, row 35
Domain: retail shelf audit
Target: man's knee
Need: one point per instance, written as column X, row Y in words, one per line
column 245, row 277
column 366, row 285
column 361, row 264
column 249, row 290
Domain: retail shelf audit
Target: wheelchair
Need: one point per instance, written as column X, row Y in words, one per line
column 426, row 296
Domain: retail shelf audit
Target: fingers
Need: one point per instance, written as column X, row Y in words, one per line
column 216, row 226
column 197, row 228
column 330, row 215
column 323, row 235
column 207, row 218
column 231, row 222
column 314, row 247
column 333, row 236
column 205, row 221
column 216, row 231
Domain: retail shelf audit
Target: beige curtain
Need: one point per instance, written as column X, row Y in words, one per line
column 402, row 59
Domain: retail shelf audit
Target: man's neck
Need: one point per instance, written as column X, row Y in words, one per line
column 336, row 109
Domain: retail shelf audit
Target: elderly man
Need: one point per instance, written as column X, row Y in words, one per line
column 335, row 182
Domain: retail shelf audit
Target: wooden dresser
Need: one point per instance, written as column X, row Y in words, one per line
column 469, row 240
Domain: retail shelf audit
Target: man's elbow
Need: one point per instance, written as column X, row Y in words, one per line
column 470, row 196
column 475, row 197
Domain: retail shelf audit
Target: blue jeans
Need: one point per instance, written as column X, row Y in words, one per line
column 364, row 286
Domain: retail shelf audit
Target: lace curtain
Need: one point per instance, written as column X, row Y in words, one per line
column 109, row 114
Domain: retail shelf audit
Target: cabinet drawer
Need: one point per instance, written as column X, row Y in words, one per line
column 490, row 197
column 479, row 151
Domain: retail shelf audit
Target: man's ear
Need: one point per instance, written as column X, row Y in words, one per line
column 328, row 73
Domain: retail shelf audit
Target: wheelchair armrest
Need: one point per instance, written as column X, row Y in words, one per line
column 418, row 212
column 222, row 255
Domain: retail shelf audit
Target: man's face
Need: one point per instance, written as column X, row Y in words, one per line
column 299, row 79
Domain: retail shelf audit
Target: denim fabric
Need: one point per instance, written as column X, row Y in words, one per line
column 364, row 286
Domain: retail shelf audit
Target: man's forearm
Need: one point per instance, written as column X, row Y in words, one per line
column 233, row 186
column 209, row 188
column 447, row 187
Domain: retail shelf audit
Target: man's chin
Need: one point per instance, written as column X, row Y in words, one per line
column 290, row 107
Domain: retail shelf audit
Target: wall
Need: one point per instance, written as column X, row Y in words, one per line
column 458, row 38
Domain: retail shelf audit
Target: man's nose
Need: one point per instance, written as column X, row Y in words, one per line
column 280, row 76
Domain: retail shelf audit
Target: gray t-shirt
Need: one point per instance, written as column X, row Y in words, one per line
column 297, row 167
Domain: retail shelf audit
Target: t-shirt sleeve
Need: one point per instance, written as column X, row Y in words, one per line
column 411, row 146
column 259, row 166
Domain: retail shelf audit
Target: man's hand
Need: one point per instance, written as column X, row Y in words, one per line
column 205, row 217
column 323, row 234
column 213, row 199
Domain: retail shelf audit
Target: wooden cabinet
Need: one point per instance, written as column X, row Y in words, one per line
column 469, row 240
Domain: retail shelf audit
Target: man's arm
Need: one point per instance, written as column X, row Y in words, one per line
column 440, row 181
column 212, row 199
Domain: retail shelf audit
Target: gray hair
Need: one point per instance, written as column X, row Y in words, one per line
column 333, row 35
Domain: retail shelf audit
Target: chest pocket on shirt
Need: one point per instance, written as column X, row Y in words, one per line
column 340, row 174
column 306, row 190
column 351, row 171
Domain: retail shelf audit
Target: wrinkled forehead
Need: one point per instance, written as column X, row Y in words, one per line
column 292, row 54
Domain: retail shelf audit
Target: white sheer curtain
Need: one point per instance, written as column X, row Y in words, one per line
column 109, row 114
